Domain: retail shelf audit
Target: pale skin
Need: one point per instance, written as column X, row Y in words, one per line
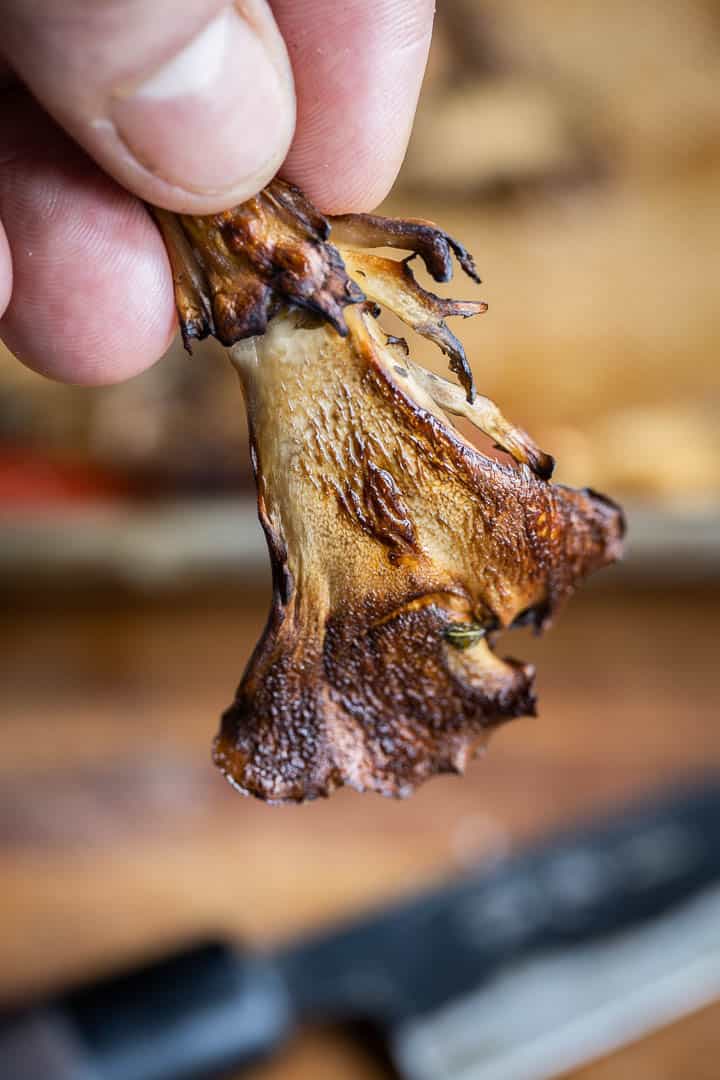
column 189, row 104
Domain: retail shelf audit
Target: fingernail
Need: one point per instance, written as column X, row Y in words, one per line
column 215, row 116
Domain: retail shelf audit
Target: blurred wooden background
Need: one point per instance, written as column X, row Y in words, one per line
column 575, row 148
column 117, row 837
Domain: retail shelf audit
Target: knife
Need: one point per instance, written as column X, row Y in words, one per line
column 550, row 958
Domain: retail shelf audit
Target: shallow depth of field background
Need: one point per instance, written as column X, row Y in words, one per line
column 575, row 149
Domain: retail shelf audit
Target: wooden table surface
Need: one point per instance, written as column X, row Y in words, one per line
column 117, row 836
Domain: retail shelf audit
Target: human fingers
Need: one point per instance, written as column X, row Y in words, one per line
column 187, row 103
column 92, row 298
column 358, row 67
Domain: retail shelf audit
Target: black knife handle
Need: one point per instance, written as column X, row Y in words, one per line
column 195, row 1014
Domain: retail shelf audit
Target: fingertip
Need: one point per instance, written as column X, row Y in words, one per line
column 357, row 85
column 91, row 317
column 92, row 298
column 193, row 113
column 211, row 126
column 5, row 271
column 358, row 184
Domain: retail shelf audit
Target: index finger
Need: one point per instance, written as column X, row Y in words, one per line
column 358, row 67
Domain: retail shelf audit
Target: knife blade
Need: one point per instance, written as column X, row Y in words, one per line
column 544, row 1016
column 550, row 957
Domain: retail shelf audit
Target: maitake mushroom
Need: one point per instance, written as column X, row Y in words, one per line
column 398, row 549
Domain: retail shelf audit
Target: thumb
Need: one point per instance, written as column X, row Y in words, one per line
column 188, row 103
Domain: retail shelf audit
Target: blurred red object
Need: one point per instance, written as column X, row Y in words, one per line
column 28, row 478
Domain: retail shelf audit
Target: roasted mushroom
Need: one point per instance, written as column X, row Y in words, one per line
column 398, row 549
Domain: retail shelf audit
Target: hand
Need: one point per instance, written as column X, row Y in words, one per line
column 189, row 104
